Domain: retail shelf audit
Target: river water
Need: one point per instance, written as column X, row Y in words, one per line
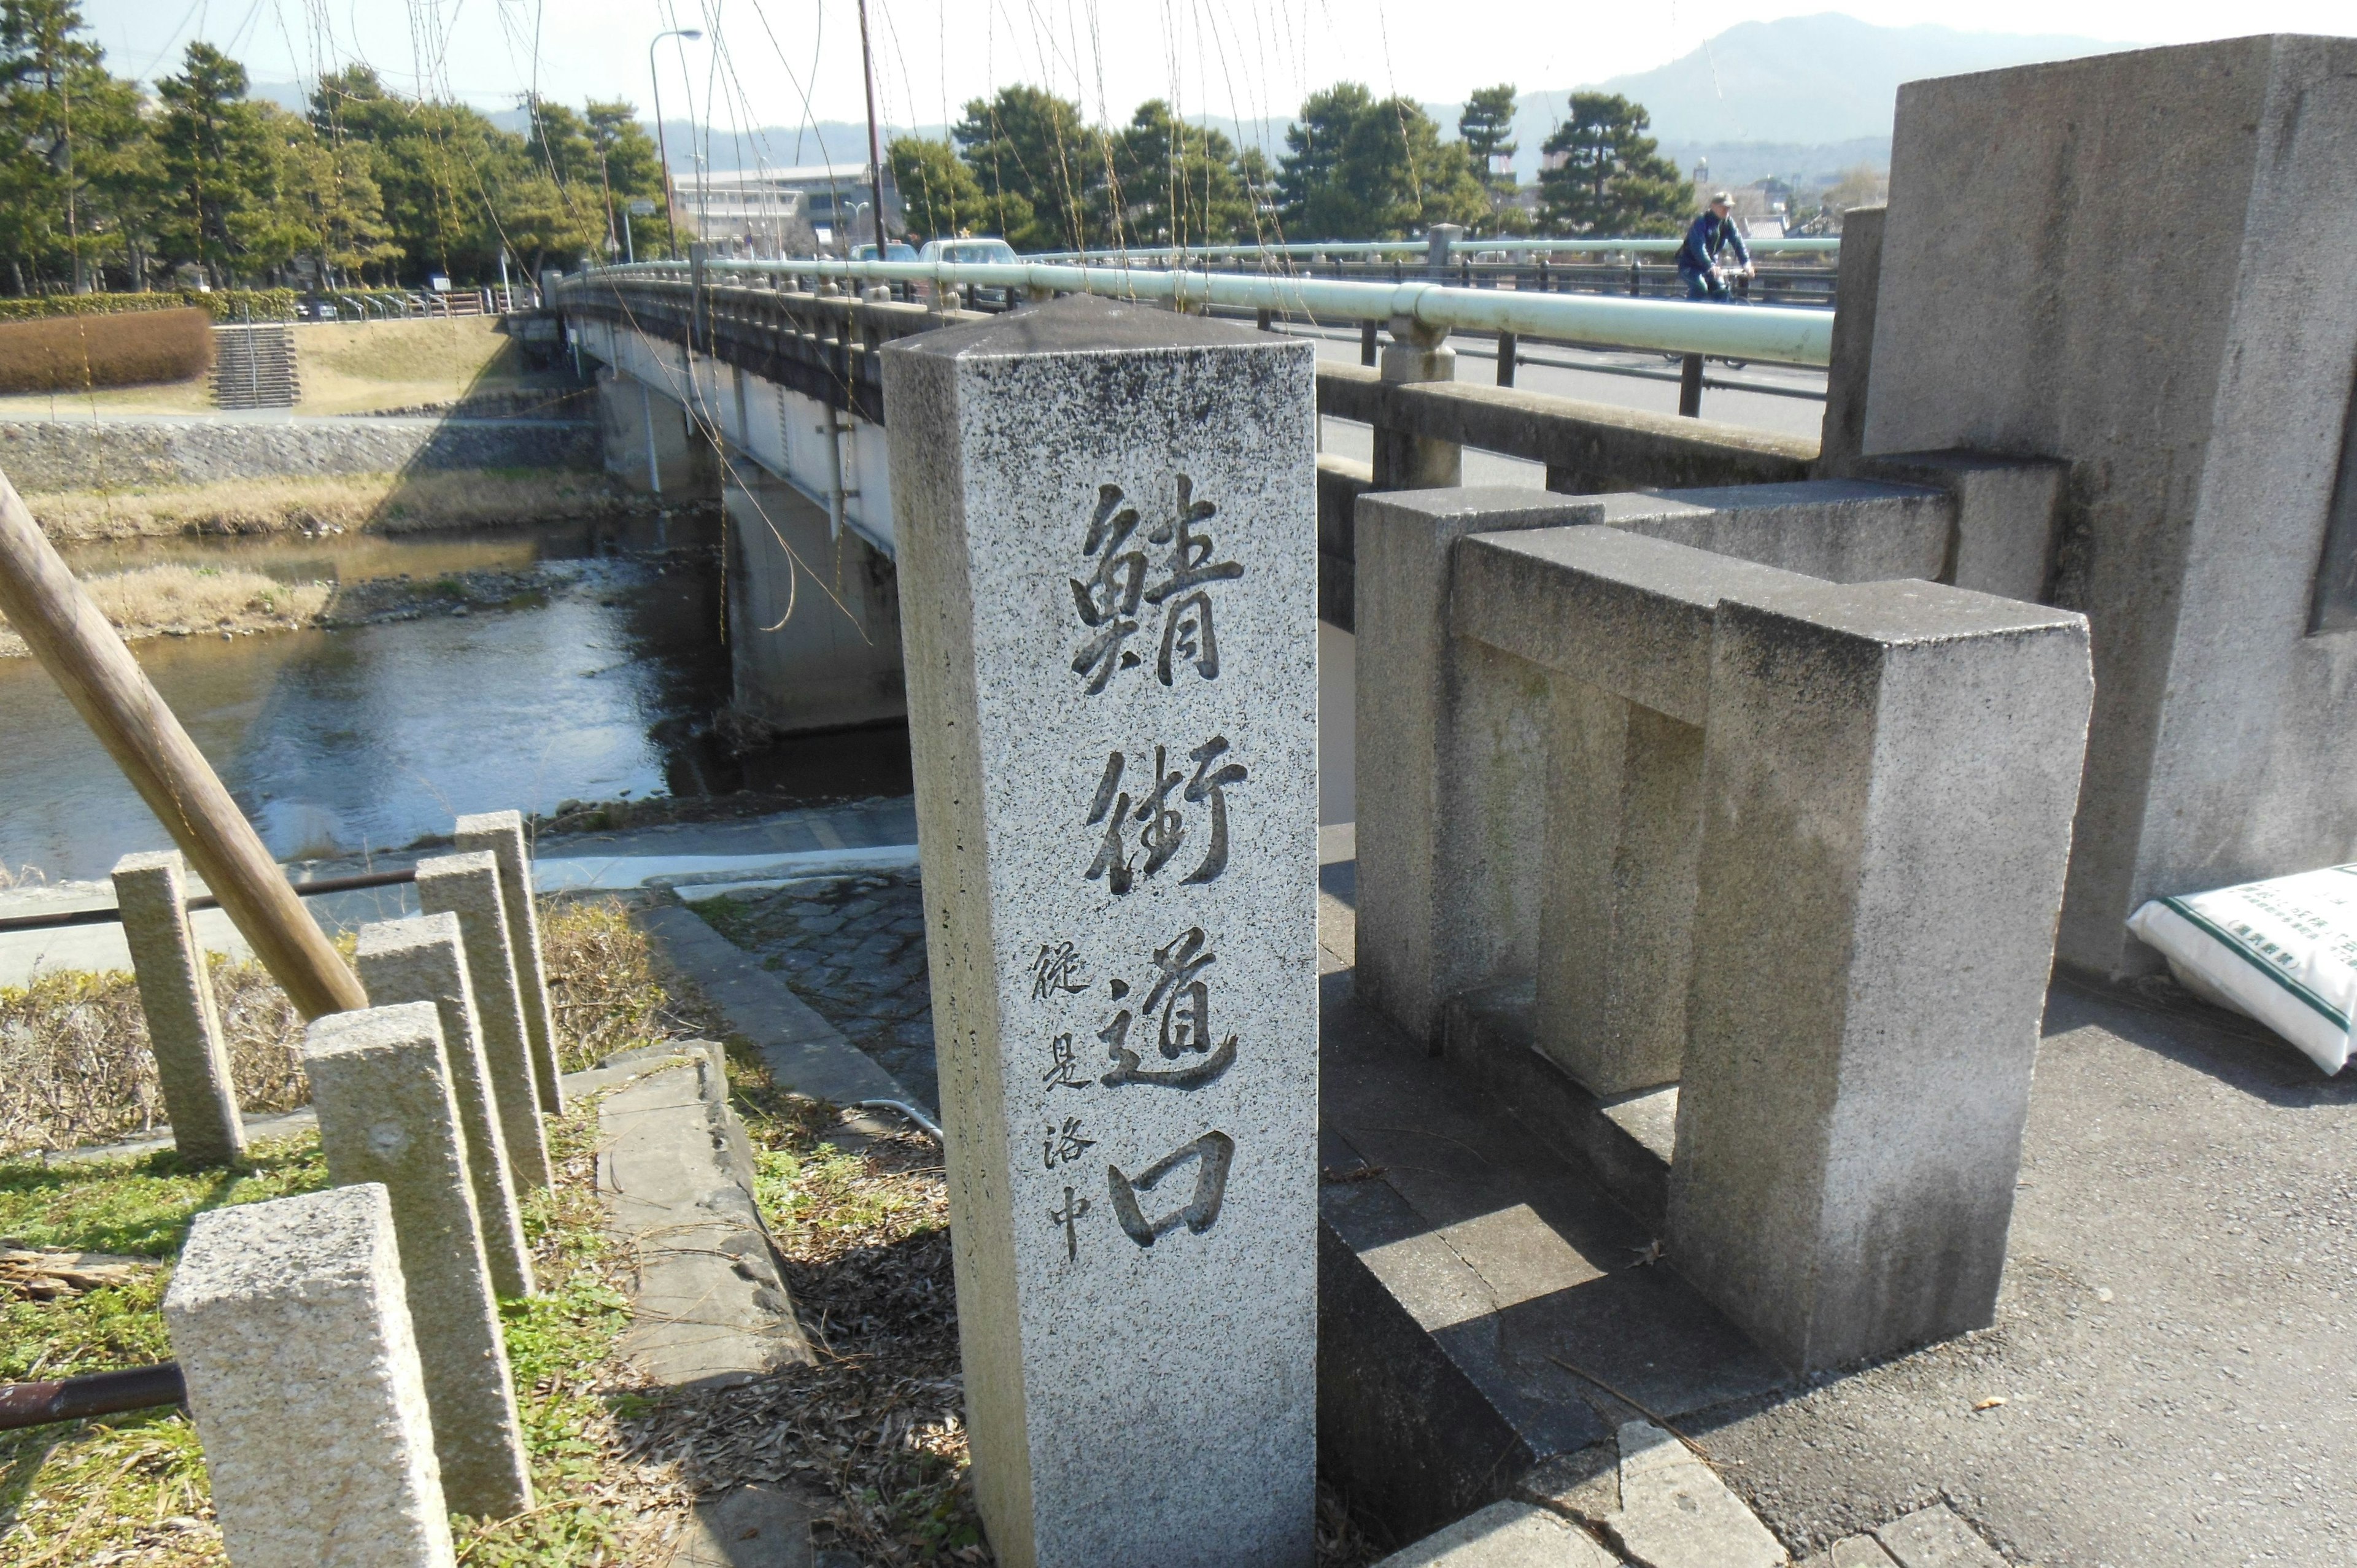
column 337, row 743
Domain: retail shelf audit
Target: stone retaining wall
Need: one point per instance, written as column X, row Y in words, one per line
column 69, row 455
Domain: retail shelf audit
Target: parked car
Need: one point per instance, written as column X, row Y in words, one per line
column 993, row 251
column 997, row 251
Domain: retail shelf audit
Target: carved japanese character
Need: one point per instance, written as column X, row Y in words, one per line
column 1210, row 786
column 1064, row 1145
column 1067, row 1218
column 1108, row 599
column 1187, row 631
column 1185, row 1002
column 1059, row 968
column 1212, row 1153
column 1111, row 807
column 1063, row 1066
column 1189, row 563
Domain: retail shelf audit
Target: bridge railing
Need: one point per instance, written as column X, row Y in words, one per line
column 1771, row 333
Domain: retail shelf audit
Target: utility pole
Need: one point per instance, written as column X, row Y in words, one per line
column 662, row 143
column 875, row 142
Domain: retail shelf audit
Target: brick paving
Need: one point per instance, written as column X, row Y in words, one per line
column 854, row 948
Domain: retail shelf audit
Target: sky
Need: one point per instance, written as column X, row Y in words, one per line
column 775, row 61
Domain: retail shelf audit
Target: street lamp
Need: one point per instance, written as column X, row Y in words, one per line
column 662, row 144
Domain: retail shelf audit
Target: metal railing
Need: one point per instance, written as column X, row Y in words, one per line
column 1776, row 334
column 1627, row 245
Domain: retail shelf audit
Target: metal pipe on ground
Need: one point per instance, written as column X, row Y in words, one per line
column 93, row 1393
column 86, row 657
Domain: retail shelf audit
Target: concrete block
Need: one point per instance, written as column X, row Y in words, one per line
column 468, row 886
column 1853, row 1551
column 388, row 1116
column 2007, row 510
column 501, row 835
column 1619, row 611
column 1452, row 735
column 1676, row 1513
column 1107, row 515
column 1505, row 1535
column 1844, row 531
column 1623, row 841
column 423, row 959
column 291, row 1324
column 175, row 992
column 1936, row 1537
column 1888, row 773
column 2199, row 391
column 1851, row 371
column 1403, row 459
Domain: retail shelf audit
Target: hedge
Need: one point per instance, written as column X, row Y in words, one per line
column 225, row 305
column 120, row 350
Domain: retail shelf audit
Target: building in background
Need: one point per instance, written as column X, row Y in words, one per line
column 786, row 212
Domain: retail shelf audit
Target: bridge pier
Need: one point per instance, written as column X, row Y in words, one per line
column 814, row 621
column 650, row 445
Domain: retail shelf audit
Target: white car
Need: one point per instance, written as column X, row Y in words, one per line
column 995, row 252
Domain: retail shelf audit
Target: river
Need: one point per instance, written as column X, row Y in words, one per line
column 342, row 742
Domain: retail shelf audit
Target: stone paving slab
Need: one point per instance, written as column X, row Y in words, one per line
column 803, row 1050
column 758, row 1526
column 853, row 947
column 677, row 1176
column 1505, row 1535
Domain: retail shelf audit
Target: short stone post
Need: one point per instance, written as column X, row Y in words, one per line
column 1888, row 778
column 176, row 992
column 1106, row 514
column 468, row 886
column 500, row 834
column 1405, row 460
column 290, row 1321
column 387, row 1114
column 425, row 960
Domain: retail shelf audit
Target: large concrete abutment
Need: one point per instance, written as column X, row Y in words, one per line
column 814, row 611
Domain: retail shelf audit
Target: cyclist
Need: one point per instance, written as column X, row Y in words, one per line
column 1709, row 236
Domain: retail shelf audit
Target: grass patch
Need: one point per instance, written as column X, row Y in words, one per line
column 384, row 503
column 127, row 1487
column 151, row 601
column 76, row 1066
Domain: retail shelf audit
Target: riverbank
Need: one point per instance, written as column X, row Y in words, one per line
column 388, row 503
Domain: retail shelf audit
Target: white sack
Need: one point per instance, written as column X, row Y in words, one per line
column 2284, row 952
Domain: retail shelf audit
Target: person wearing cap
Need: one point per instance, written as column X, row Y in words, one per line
column 1707, row 238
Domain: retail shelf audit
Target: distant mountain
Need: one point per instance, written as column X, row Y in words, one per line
column 1810, row 94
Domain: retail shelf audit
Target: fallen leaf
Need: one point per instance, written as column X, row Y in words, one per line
column 1989, row 1404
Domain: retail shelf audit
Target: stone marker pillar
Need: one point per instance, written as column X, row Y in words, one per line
column 468, row 886
column 423, row 959
column 1403, row 459
column 1107, row 525
column 387, row 1115
column 291, row 1322
column 501, row 835
column 176, row 992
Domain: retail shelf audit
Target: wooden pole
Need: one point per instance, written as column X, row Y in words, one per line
column 74, row 643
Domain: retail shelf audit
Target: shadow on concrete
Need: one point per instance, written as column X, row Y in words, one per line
column 2162, row 1016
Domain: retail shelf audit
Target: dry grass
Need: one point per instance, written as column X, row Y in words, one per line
column 383, row 503
column 151, row 601
column 345, row 368
column 73, row 353
column 75, row 1065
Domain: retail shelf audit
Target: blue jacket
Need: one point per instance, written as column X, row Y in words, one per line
column 1709, row 234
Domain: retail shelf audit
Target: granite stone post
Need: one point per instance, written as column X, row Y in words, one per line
column 423, row 959
column 1856, row 287
column 290, row 1321
column 501, row 835
column 1107, row 525
column 468, row 886
column 175, row 992
column 387, row 1114
column 2199, row 390
column 1889, row 775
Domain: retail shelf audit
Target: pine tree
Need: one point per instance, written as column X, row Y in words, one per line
column 1610, row 179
